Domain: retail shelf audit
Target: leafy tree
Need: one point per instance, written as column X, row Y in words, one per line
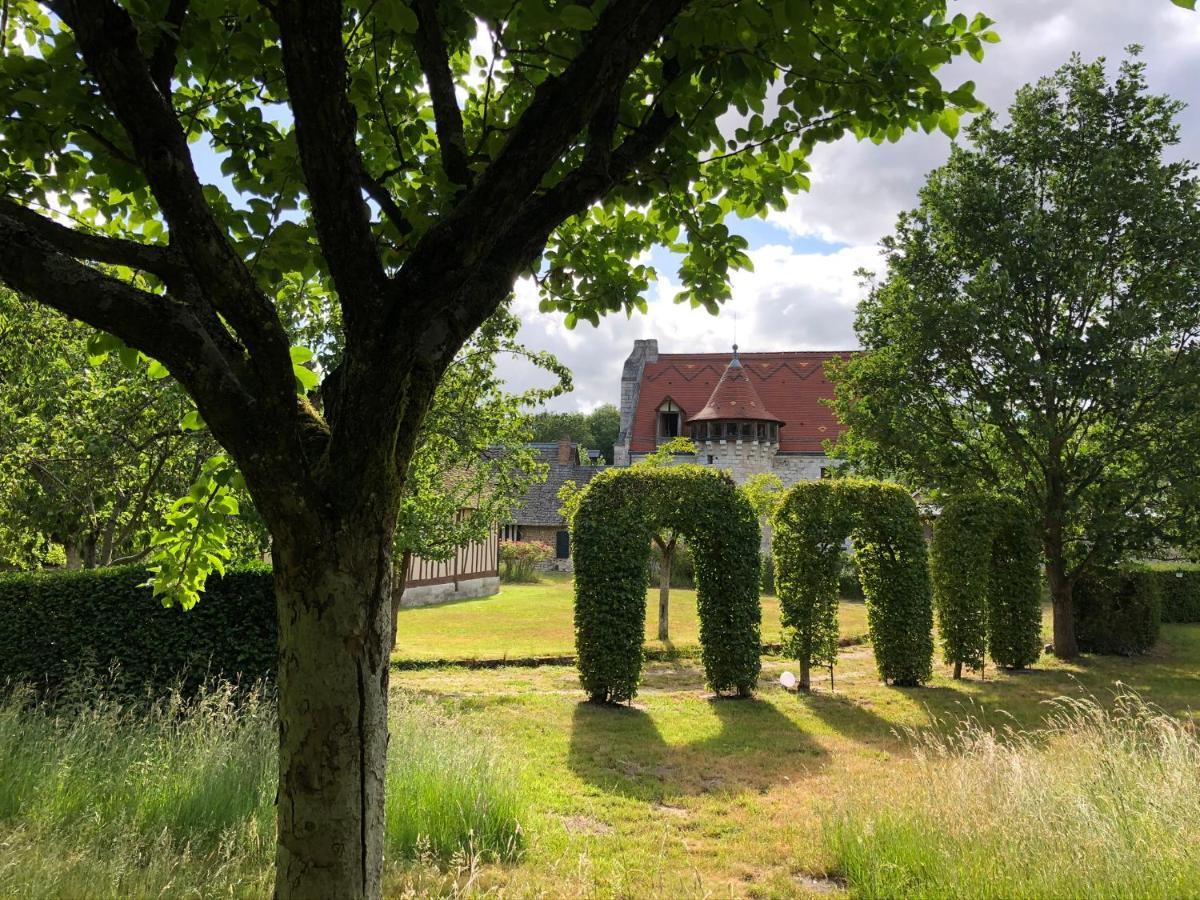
column 764, row 490
column 380, row 161
column 1037, row 330
column 665, row 539
column 599, row 428
column 91, row 453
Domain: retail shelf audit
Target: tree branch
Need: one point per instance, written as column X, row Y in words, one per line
column 160, row 261
column 314, row 62
column 435, row 63
column 108, row 41
column 162, row 60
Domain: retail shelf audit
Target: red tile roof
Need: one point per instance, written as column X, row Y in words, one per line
column 734, row 397
column 790, row 384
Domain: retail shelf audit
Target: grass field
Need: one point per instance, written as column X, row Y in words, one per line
column 536, row 620
column 864, row 790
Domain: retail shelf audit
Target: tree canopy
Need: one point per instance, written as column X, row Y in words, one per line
column 1037, row 331
column 595, row 430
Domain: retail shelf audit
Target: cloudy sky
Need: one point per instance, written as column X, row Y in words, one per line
column 802, row 292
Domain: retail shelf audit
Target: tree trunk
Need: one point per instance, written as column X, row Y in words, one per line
column 958, row 668
column 1065, row 644
column 664, row 595
column 334, row 598
column 805, row 675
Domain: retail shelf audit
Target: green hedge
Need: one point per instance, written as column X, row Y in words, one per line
column 52, row 623
column 611, row 531
column 1117, row 611
column 1180, row 592
column 986, row 586
column 812, row 522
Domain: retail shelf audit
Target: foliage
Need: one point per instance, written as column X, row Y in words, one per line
column 1096, row 803
column 1118, row 611
column 1035, row 335
column 683, row 566
column 983, row 565
column 811, row 524
column 51, row 623
column 451, row 792
column 764, row 491
column 599, row 428
column 90, row 451
column 1179, row 588
column 619, row 511
column 519, row 559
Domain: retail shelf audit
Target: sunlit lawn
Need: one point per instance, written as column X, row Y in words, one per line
column 535, row 620
column 684, row 795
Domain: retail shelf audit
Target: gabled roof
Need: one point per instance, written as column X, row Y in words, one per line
column 734, row 397
column 791, row 384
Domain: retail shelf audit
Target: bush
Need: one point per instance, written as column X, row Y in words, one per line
column 618, row 512
column 811, row 525
column 766, row 581
column 986, row 585
column 1179, row 588
column 1117, row 611
column 52, row 623
column 519, row 560
column 1099, row 803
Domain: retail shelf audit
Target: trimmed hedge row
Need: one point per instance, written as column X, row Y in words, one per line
column 1117, row 611
column 812, row 522
column 611, row 532
column 52, row 623
column 1180, row 590
column 986, row 585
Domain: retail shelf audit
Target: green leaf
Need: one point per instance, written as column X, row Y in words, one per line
column 193, row 421
column 306, row 379
column 948, row 122
column 300, row 354
column 1186, row 4
column 576, row 17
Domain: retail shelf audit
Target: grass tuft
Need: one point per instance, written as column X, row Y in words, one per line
column 1100, row 802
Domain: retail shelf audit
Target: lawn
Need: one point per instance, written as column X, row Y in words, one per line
column 536, row 620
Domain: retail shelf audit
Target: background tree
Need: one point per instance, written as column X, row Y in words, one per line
column 597, row 429
column 764, row 490
column 1037, row 330
column 91, row 452
column 373, row 151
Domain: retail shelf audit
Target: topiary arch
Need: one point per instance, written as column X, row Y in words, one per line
column 986, row 587
column 619, row 511
column 810, row 528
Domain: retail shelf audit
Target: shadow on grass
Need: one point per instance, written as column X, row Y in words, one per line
column 621, row 750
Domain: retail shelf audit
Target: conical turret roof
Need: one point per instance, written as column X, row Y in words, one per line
column 734, row 397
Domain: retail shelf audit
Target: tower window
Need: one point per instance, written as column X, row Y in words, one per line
column 670, row 420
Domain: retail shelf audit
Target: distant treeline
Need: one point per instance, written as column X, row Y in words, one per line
column 597, row 430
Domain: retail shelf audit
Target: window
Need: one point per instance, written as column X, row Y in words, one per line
column 826, row 471
column 510, row 533
column 711, row 459
column 731, row 430
column 669, row 420
column 746, row 430
column 762, row 431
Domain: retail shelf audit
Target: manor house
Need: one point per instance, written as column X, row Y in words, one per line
column 746, row 412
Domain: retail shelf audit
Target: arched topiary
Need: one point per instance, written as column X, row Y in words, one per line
column 611, row 532
column 813, row 521
column 986, row 589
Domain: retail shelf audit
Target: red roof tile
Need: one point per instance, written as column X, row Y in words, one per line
column 789, row 384
column 734, row 397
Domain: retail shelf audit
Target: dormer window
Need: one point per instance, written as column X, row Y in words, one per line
column 670, row 420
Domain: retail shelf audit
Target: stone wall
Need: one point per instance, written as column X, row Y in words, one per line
column 466, row 589
column 644, row 351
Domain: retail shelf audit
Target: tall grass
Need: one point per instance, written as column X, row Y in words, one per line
column 449, row 793
column 1101, row 802
column 103, row 798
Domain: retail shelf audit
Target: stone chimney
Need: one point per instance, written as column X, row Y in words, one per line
column 564, row 450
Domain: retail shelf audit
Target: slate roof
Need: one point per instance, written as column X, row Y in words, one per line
column 541, row 503
column 790, row 384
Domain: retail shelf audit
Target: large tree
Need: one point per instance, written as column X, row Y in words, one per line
column 413, row 158
column 1037, row 332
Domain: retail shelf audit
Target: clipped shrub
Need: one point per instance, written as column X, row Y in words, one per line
column 986, row 585
column 52, row 623
column 849, row 585
column 811, row 525
column 1179, row 589
column 611, row 530
column 519, row 560
column 1117, row 611
column 766, row 579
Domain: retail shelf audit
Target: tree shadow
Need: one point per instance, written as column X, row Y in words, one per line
column 751, row 744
